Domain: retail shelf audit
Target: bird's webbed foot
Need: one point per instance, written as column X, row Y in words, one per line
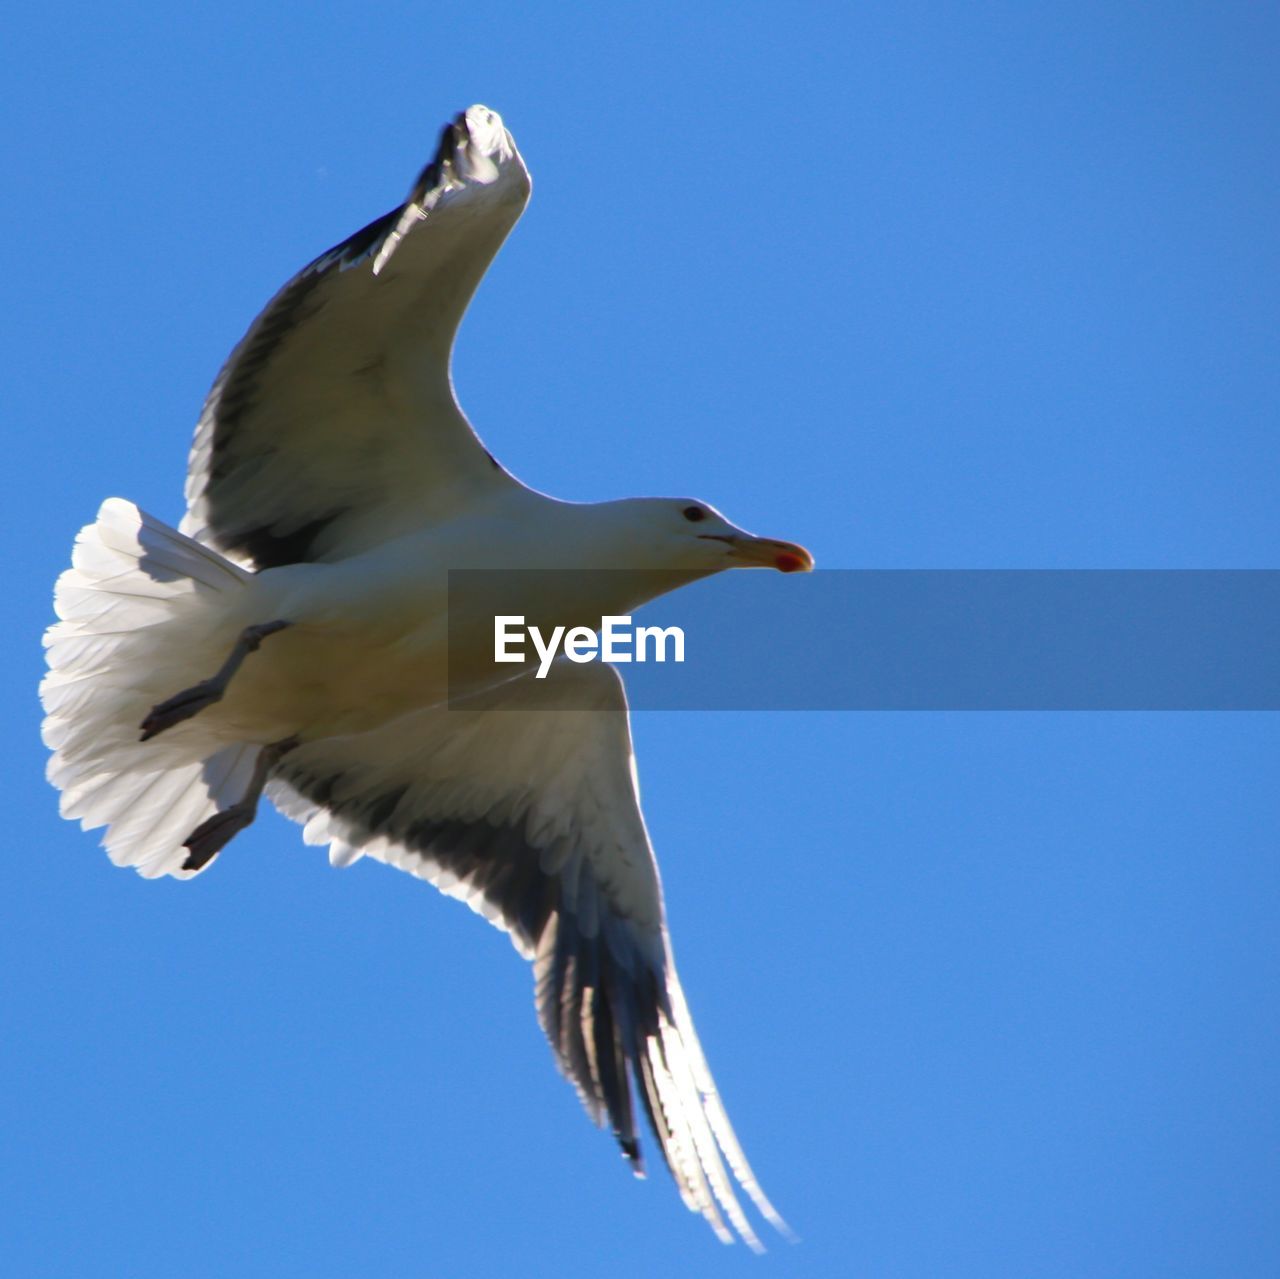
column 216, row 832
column 191, row 701
column 173, row 710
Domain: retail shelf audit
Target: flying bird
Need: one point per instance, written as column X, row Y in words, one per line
column 293, row 638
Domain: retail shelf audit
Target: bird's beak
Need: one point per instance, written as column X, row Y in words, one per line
column 765, row 552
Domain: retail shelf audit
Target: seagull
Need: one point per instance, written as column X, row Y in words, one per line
column 293, row 638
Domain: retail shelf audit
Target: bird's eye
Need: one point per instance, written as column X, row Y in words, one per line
column 693, row 514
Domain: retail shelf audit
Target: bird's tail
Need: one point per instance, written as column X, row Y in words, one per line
column 138, row 597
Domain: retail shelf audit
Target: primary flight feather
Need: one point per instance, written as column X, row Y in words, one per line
column 294, row 639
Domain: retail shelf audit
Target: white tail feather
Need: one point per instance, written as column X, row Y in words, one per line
column 136, row 586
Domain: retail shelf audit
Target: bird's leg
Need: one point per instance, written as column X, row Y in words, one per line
column 191, row 701
column 216, row 832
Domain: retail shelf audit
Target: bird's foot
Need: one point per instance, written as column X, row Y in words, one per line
column 215, row 833
column 191, row 701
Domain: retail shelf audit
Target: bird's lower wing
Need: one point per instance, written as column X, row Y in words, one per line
column 524, row 805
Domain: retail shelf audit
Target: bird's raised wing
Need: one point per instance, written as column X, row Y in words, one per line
column 333, row 424
column 528, row 812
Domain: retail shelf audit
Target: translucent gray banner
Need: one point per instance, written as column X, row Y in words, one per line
column 1083, row 640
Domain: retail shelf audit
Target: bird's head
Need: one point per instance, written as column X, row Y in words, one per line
column 691, row 536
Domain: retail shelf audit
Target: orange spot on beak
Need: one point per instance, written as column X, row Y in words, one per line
column 764, row 552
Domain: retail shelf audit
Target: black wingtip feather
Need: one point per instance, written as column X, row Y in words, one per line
column 600, row 1000
column 632, row 1154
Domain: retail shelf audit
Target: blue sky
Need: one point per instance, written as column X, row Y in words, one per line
column 928, row 285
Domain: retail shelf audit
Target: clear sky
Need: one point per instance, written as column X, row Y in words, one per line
column 921, row 285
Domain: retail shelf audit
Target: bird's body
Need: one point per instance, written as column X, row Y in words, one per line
column 304, row 633
column 373, row 635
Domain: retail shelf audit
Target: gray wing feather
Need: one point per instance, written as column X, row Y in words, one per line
column 333, row 424
column 529, row 814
